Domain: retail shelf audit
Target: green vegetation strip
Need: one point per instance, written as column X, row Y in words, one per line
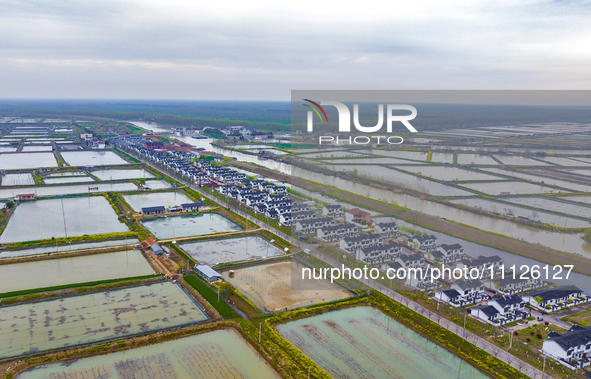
column 210, row 295
column 68, row 286
column 182, row 254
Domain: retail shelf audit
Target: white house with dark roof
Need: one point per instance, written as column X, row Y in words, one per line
column 386, row 228
column 469, row 292
column 505, row 309
column 483, row 265
column 410, row 260
column 571, row 349
column 310, row 226
column 423, row 242
column 378, row 253
column 351, row 244
column 337, row 232
column 446, row 253
column 554, row 299
column 512, row 284
column 335, row 210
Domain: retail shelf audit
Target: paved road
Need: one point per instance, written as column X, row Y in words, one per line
column 487, row 346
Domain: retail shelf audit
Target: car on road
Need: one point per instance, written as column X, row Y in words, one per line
column 540, row 319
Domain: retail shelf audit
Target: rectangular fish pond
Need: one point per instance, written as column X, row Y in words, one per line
column 190, row 225
column 122, row 174
column 74, row 216
column 82, row 319
column 219, row 354
column 93, row 187
column 65, row 247
column 221, row 250
column 72, row 270
column 92, row 158
column 155, row 199
column 19, row 161
column 362, row 342
column 270, row 286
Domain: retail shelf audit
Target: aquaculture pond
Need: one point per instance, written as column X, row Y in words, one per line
column 277, row 286
column 19, row 161
column 362, row 342
column 512, row 188
column 18, row 180
column 92, row 158
column 157, row 184
column 220, row 250
column 68, row 179
column 122, row 174
column 390, row 175
column 76, row 320
column 52, row 248
column 166, row 199
column 414, row 155
column 372, row 160
column 550, row 204
column 80, row 269
column 70, row 189
column 329, row 154
column 516, row 211
column 37, row 148
column 579, row 187
column 449, row 173
column 75, row 216
column 475, row 159
column 190, row 225
column 221, row 354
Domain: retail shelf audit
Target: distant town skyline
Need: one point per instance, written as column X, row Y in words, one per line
column 262, row 50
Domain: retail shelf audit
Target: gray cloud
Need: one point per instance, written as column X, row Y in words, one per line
column 143, row 49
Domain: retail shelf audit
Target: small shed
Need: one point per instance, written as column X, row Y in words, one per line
column 153, row 210
column 208, row 273
column 191, row 207
column 156, row 249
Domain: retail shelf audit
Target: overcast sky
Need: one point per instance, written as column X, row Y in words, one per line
column 261, row 50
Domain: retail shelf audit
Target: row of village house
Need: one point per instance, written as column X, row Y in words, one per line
column 570, row 349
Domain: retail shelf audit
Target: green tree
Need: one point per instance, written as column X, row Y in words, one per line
column 587, row 235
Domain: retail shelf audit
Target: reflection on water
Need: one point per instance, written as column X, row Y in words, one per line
column 75, row 216
column 191, row 225
column 363, row 342
column 214, row 251
column 219, row 354
column 94, row 317
column 81, row 269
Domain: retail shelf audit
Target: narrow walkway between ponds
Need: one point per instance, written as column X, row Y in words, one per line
column 210, row 236
column 162, row 266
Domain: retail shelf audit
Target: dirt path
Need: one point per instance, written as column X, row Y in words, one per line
column 540, row 253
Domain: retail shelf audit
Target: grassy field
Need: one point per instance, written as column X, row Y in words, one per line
column 582, row 318
column 210, row 295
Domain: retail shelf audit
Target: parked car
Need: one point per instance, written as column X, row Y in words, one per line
column 540, row 319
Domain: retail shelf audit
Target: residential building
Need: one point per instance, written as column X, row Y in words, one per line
column 378, row 253
column 423, row 242
column 446, row 253
column 310, row 226
column 147, row 211
column 571, row 349
column 554, row 299
column 337, row 232
column 333, row 210
column 351, row 244
column 512, row 284
column 357, row 216
column 501, row 310
column 386, row 229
